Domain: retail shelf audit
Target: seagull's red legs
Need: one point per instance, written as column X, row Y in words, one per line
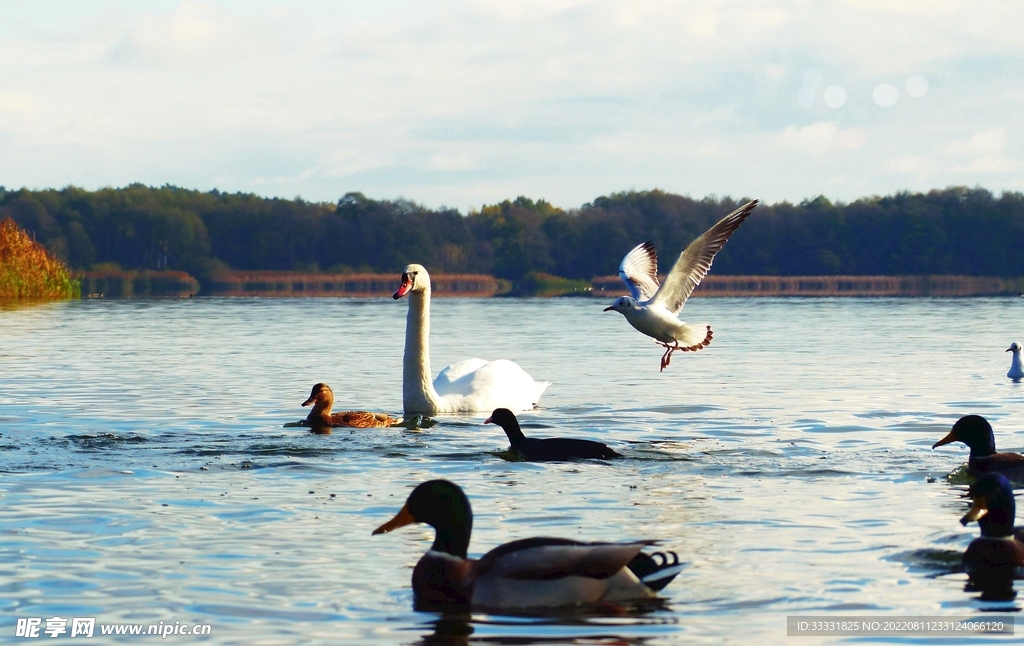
column 667, row 357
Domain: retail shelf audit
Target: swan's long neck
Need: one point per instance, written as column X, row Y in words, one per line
column 418, row 394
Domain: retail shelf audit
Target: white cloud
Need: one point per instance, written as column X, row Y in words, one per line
column 853, row 138
column 774, row 71
column 822, row 137
column 444, row 102
column 16, row 102
column 909, row 7
column 913, row 165
column 711, row 148
column 984, row 143
column 989, row 164
column 816, row 138
column 703, row 24
column 721, row 114
column 462, row 160
column 982, row 153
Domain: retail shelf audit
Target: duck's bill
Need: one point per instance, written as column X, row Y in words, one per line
column 404, row 288
column 309, row 401
column 401, row 519
column 978, row 510
column 950, row 438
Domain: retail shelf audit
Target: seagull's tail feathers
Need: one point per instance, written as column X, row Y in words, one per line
column 693, row 337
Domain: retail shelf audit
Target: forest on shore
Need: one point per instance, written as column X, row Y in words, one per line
column 953, row 231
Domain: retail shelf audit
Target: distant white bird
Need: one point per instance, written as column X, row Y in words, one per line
column 1016, row 369
column 652, row 308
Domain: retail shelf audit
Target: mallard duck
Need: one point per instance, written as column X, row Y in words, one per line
column 976, row 432
column 998, row 552
column 546, row 449
column 528, row 573
column 322, row 398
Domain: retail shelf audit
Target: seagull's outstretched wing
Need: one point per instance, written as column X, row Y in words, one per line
column 695, row 261
column 639, row 270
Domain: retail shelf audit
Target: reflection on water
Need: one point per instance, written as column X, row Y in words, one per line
column 1000, row 589
column 590, row 626
column 148, row 474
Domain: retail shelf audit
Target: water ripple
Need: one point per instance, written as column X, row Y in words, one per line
column 147, row 475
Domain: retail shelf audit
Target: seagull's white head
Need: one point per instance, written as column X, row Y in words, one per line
column 1014, row 348
column 623, row 304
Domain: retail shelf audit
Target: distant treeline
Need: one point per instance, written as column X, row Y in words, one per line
column 953, row 231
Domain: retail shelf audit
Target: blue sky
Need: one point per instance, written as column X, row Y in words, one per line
column 464, row 103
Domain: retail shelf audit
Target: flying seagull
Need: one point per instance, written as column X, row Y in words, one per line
column 652, row 307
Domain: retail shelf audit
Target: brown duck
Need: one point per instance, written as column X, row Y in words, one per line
column 322, row 398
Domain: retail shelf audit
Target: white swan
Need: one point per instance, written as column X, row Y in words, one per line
column 467, row 386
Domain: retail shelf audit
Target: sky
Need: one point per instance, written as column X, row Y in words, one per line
column 464, row 103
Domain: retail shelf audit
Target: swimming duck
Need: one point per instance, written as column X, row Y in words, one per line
column 547, row 449
column 322, row 398
column 532, row 572
column 976, row 432
column 997, row 552
column 1016, row 369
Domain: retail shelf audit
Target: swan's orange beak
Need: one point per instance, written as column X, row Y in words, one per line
column 404, row 288
column 401, row 519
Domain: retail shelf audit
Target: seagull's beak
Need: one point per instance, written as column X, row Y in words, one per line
column 950, row 438
column 979, row 509
column 401, row 519
column 1009, row 349
column 610, row 307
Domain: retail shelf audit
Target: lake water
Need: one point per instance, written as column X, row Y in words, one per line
column 147, row 476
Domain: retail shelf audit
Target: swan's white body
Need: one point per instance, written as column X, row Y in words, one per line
column 1016, row 369
column 472, row 385
column 653, row 307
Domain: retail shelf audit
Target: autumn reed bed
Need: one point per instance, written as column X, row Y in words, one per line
column 297, row 284
column 28, row 271
column 713, row 285
column 146, row 283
